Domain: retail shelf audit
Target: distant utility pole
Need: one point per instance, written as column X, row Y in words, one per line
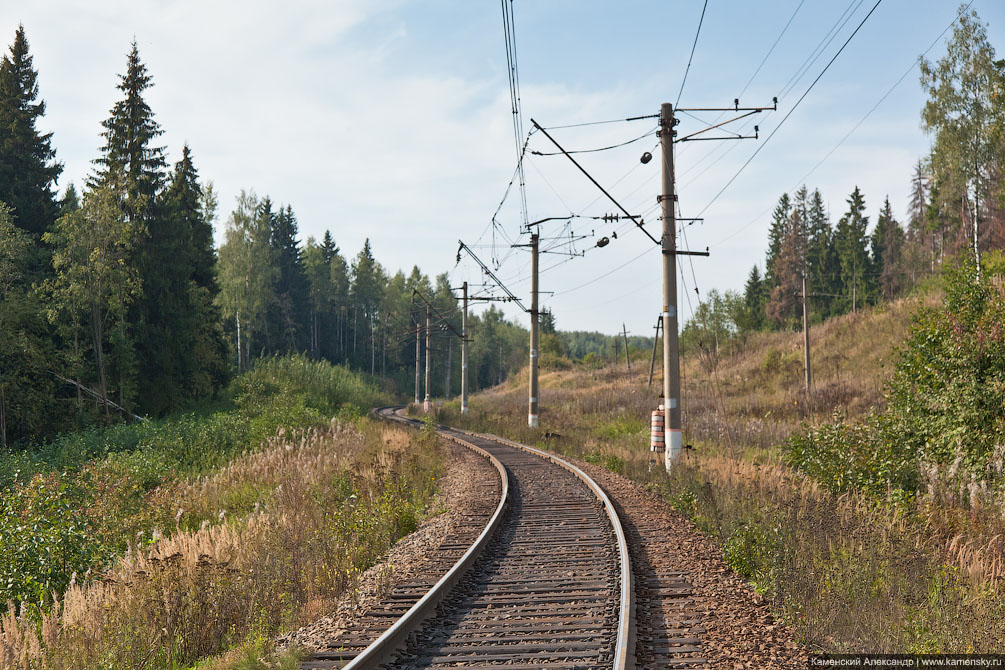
column 427, row 404
column 418, row 340
column 532, row 419
column 464, row 351
column 806, row 342
column 628, row 362
column 656, row 340
column 668, row 243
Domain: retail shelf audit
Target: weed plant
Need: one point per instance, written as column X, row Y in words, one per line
column 72, row 505
column 332, row 500
column 859, row 543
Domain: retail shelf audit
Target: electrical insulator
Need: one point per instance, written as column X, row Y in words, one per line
column 646, row 157
column 603, row 242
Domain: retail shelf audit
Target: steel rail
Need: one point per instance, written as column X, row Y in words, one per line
column 624, row 656
column 391, row 641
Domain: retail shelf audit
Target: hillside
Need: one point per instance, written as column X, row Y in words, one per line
column 752, row 397
column 897, row 570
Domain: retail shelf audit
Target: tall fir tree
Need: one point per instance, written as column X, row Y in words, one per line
column 28, row 166
column 755, row 300
column 132, row 166
column 289, row 314
column 779, row 226
column 129, row 157
column 366, row 292
column 821, row 260
column 850, row 242
column 784, row 305
column 887, row 242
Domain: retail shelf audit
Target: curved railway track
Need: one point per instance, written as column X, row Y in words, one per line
column 539, row 576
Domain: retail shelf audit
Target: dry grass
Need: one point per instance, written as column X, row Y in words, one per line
column 328, row 503
column 849, row 572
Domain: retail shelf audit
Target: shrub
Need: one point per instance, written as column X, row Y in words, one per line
column 943, row 403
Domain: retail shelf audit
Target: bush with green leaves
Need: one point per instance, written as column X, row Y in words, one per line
column 71, row 504
column 944, row 402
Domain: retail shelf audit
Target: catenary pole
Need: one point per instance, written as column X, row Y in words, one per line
column 426, row 404
column 464, row 351
column 668, row 242
column 418, row 344
column 532, row 419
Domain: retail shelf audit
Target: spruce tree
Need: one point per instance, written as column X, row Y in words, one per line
column 821, row 261
column 784, row 305
column 289, row 314
column 755, row 299
column 128, row 156
column 779, row 226
column 887, row 249
column 853, row 257
column 28, row 169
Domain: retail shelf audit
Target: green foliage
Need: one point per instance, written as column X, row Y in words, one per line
column 747, row 550
column 847, row 456
column 68, row 505
column 44, row 540
column 28, row 169
column 944, row 400
column 292, row 381
column 610, row 461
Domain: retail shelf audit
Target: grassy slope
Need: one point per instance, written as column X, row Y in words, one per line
column 849, row 573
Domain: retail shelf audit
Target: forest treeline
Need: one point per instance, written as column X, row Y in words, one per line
column 115, row 303
column 957, row 206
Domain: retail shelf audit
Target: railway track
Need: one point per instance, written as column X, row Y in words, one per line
column 539, row 576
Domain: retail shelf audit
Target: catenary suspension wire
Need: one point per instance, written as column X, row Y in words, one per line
column 691, row 57
column 794, row 107
column 860, row 122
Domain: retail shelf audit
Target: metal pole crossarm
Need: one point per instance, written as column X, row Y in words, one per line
column 546, row 219
column 735, row 108
column 693, row 253
column 416, row 292
column 595, row 182
column 718, row 125
column 755, row 136
column 486, row 270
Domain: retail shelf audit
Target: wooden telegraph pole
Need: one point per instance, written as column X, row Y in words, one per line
column 806, row 341
column 628, row 361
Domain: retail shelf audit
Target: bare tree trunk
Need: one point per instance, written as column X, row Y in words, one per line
column 3, row 418
column 99, row 354
column 450, row 351
column 76, row 359
column 239, row 352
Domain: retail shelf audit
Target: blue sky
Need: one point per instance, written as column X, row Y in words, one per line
column 390, row 120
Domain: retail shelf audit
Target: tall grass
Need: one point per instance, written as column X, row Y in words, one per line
column 868, row 570
column 74, row 504
column 334, row 499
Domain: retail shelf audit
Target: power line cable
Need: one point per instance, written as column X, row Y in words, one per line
column 772, row 49
column 794, row 107
column 879, row 102
column 590, row 151
column 695, row 44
